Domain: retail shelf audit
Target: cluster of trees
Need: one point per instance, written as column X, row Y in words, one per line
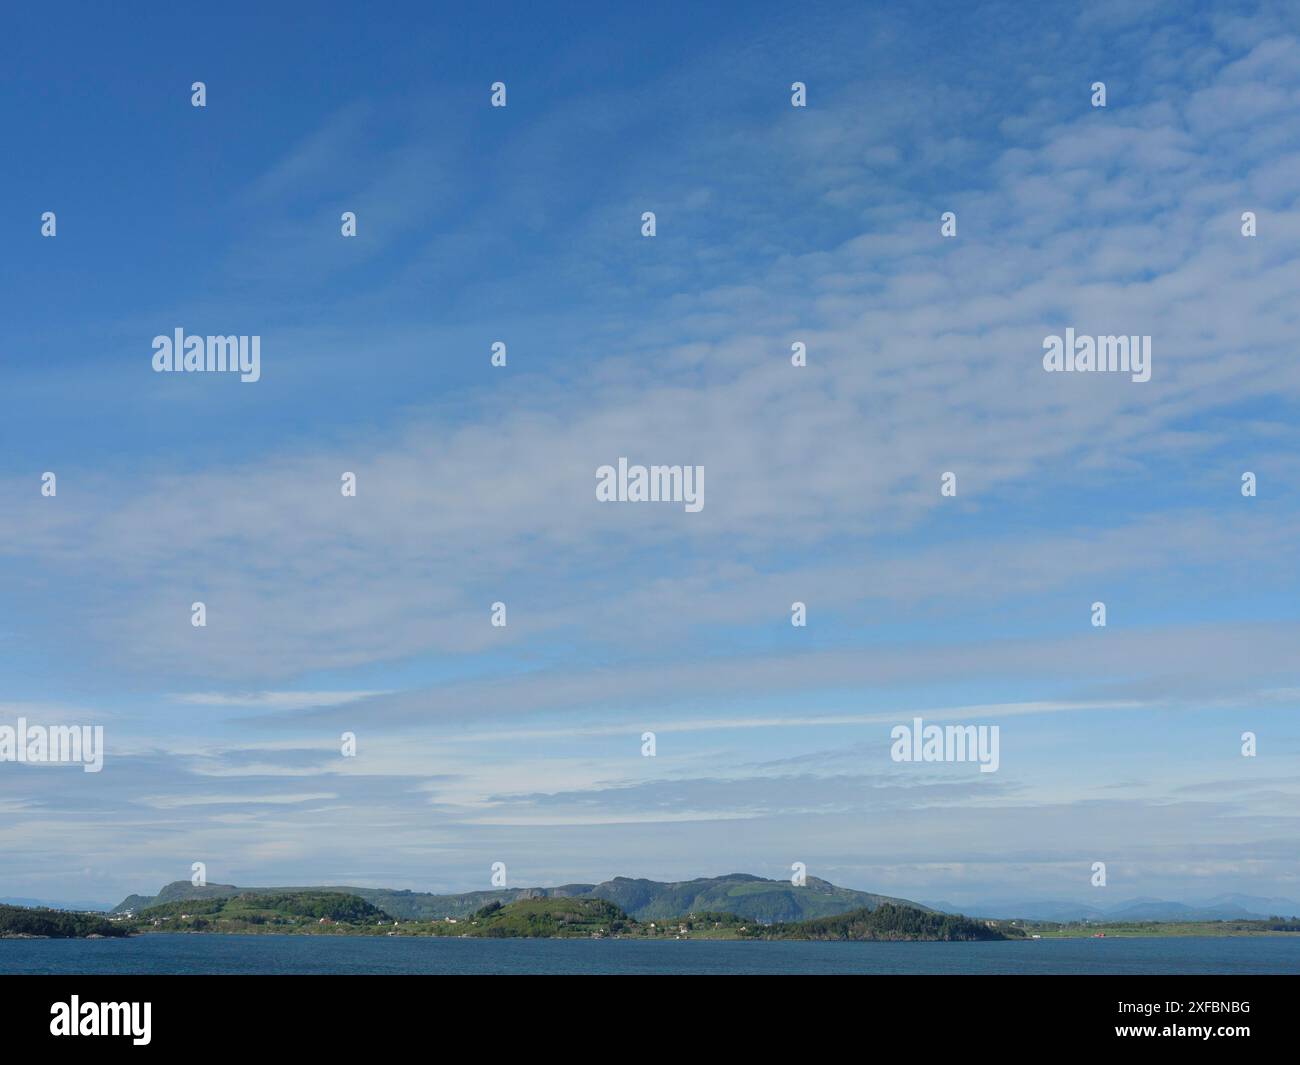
column 21, row 921
column 886, row 921
column 710, row 919
column 1274, row 924
column 348, row 908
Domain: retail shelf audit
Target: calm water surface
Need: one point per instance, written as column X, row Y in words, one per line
column 356, row 954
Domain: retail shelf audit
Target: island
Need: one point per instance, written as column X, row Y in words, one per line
column 327, row 913
column 735, row 906
column 324, row 913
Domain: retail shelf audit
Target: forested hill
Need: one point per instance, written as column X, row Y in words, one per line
column 54, row 924
column 892, row 923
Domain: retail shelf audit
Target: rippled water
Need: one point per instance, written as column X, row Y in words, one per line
column 356, row 954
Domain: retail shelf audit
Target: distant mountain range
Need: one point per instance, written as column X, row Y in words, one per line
column 753, row 897
column 1230, row 907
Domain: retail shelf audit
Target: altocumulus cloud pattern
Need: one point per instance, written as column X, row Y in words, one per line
column 445, row 447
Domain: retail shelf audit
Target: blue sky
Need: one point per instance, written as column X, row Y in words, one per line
column 475, row 484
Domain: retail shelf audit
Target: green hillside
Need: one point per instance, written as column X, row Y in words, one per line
column 549, row 918
column 741, row 894
column 310, row 911
column 762, row 900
